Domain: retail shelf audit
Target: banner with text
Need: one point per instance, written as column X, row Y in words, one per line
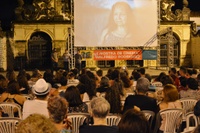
column 117, row 55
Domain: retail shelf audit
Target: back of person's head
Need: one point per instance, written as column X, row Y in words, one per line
column 189, row 72
column 13, row 87
column 192, row 83
column 194, row 71
column 125, row 79
column 136, row 75
column 99, row 72
column 142, row 85
column 160, row 76
column 10, row 75
column 142, row 70
column 70, row 75
column 183, row 81
column 104, row 81
column 173, row 70
column 133, row 122
column 57, row 107
column 36, row 123
column 115, row 74
column 63, row 80
column 72, row 95
column 99, row 107
column 166, row 79
column 183, row 70
column 170, row 93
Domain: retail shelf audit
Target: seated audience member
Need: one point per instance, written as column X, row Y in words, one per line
column 71, row 80
column 11, row 75
column 99, row 110
column 12, row 94
column 104, row 85
column 39, row 104
column 23, row 83
column 194, row 73
column 57, row 108
column 141, row 99
column 170, row 100
column 192, row 89
column 3, row 84
column 142, row 72
column 72, row 95
column 167, row 80
column 173, row 74
column 113, row 97
column 99, row 73
column 183, row 85
column 158, row 79
column 86, row 87
column 36, row 74
column 63, row 82
column 127, row 85
column 36, row 123
column 133, row 122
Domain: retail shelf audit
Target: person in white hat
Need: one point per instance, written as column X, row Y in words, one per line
column 39, row 104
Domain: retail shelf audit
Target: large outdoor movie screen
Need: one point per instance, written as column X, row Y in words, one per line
column 115, row 23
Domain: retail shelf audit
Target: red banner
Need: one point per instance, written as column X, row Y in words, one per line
column 117, row 55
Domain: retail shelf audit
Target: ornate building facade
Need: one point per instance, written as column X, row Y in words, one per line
column 47, row 24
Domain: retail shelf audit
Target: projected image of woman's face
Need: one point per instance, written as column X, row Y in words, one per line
column 120, row 16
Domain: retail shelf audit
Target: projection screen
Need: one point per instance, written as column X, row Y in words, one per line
column 115, row 23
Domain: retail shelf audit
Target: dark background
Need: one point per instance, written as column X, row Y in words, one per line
column 7, row 15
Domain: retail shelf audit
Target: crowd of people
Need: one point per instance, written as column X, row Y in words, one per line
column 53, row 96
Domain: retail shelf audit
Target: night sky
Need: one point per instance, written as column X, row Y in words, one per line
column 7, row 10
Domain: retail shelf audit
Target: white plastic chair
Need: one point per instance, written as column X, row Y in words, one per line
column 8, row 125
column 113, row 120
column 77, row 120
column 10, row 109
column 150, row 116
column 188, row 105
column 172, row 118
column 191, row 118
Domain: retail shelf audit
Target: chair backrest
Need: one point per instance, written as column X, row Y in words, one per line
column 188, row 105
column 173, row 118
column 77, row 120
column 10, row 109
column 8, row 125
column 150, row 117
column 113, row 120
column 192, row 121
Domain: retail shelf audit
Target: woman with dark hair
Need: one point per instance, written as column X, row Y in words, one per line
column 23, row 83
column 72, row 95
column 113, row 97
column 127, row 85
column 133, row 122
column 119, row 30
column 87, row 88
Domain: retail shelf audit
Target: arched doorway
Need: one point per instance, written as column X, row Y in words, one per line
column 39, row 51
column 165, row 52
